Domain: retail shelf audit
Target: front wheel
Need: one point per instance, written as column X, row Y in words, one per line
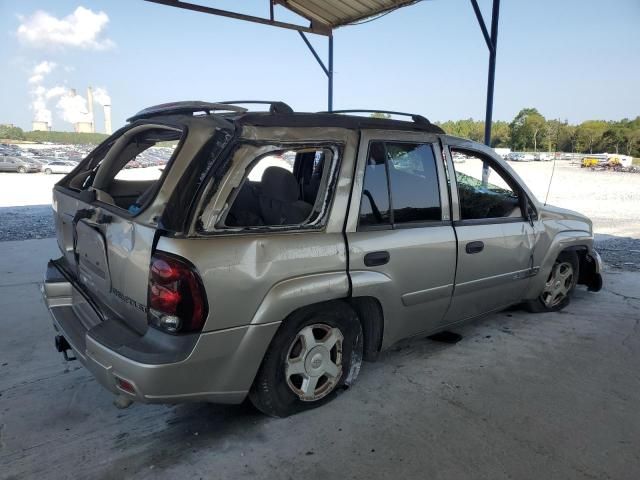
column 559, row 286
column 316, row 352
column 47, row 171
column 22, row 170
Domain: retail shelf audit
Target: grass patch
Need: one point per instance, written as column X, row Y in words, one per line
column 636, row 161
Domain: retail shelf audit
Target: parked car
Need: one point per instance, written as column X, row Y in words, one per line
column 17, row 164
column 58, row 166
column 543, row 157
column 520, row 157
column 213, row 284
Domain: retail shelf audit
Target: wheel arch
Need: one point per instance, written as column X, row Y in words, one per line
column 368, row 311
column 371, row 317
column 578, row 241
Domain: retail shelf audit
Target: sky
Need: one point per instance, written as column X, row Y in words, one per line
column 572, row 59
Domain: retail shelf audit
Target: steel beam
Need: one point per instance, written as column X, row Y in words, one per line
column 327, row 69
column 241, row 16
column 483, row 27
column 330, row 75
column 495, row 14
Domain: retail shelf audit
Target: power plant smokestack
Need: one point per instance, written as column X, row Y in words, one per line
column 90, row 105
column 102, row 97
column 107, row 120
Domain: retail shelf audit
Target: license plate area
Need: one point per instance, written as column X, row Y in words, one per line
column 91, row 251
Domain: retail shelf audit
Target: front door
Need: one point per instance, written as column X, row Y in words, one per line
column 495, row 239
column 402, row 246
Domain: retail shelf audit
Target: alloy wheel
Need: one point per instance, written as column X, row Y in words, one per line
column 558, row 285
column 313, row 365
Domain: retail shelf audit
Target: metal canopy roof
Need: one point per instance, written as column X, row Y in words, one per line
column 326, row 15
column 337, row 13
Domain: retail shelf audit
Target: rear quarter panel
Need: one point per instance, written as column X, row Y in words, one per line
column 261, row 277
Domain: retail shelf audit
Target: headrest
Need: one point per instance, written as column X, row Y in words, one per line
column 280, row 184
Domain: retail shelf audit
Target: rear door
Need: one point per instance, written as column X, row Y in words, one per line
column 402, row 246
column 107, row 243
column 495, row 240
column 109, row 254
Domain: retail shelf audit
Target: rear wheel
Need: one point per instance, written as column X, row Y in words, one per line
column 316, row 352
column 47, row 171
column 22, row 170
column 559, row 286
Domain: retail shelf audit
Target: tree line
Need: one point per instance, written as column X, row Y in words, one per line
column 530, row 131
column 11, row 132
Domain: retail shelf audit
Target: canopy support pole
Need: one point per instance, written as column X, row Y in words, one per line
column 492, row 45
column 327, row 69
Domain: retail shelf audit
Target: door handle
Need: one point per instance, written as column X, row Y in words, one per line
column 375, row 259
column 474, row 247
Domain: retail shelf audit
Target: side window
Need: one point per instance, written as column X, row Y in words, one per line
column 148, row 164
column 130, row 175
column 410, row 171
column 374, row 206
column 492, row 198
column 274, row 193
column 415, row 194
column 282, row 160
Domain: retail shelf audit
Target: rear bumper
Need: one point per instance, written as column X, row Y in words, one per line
column 219, row 368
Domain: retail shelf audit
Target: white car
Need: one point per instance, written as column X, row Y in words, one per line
column 58, row 166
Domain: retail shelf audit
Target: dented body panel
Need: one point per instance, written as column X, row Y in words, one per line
column 255, row 276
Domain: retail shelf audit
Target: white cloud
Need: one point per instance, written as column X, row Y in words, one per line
column 73, row 108
column 101, row 96
column 39, row 94
column 35, row 79
column 44, row 68
column 40, row 71
column 55, row 92
column 81, row 29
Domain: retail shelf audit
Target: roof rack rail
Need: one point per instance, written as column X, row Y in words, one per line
column 185, row 107
column 419, row 119
column 275, row 106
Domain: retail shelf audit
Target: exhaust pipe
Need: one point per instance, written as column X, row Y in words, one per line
column 63, row 347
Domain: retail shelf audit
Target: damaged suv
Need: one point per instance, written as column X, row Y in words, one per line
column 276, row 250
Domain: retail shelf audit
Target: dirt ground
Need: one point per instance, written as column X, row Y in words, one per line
column 610, row 199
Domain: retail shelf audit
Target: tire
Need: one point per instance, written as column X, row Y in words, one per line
column 22, row 170
column 292, row 377
column 47, row 171
column 560, row 284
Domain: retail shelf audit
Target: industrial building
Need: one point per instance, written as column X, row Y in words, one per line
column 86, row 115
column 40, row 126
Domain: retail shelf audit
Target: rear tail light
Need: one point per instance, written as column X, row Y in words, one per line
column 177, row 301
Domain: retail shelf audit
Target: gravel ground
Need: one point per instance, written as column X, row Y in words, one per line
column 610, row 199
column 26, row 222
column 620, row 253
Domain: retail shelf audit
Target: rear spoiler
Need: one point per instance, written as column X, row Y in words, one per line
column 194, row 106
column 189, row 107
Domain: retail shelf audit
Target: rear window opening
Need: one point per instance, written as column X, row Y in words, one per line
column 282, row 188
column 127, row 175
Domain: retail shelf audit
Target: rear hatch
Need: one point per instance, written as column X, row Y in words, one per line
column 107, row 214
